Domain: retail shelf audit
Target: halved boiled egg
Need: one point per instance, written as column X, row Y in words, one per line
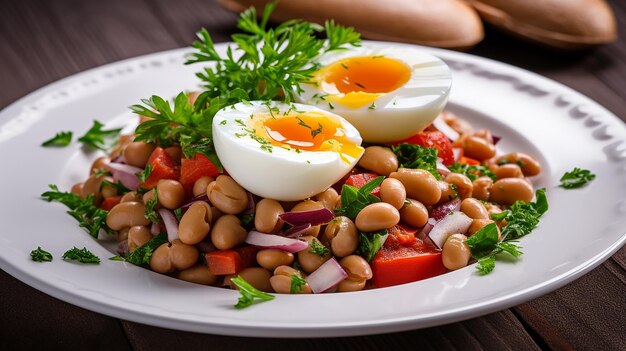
column 285, row 152
column 388, row 93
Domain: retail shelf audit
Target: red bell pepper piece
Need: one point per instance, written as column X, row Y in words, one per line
column 223, row 262
column 163, row 167
column 404, row 259
column 194, row 168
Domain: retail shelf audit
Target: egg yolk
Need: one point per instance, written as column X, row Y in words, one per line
column 310, row 131
column 358, row 81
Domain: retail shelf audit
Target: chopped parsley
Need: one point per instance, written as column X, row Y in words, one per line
column 353, row 199
column 248, row 293
column 371, row 243
column 297, row 282
column 317, row 248
column 40, row 255
column 521, row 219
column 372, row 106
column 143, row 175
column 88, row 215
column 141, row 255
column 81, row 255
column 472, row 172
column 178, row 213
column 576, row 178
column 99, row 138
column 415, row 156
column 59, row 140
column 150, row 212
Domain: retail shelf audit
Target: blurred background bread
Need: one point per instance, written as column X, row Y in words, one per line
column 564, row 24
column 449, row 24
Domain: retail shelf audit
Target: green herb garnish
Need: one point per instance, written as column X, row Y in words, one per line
column 88, row 215
column 178, row 213
column 150, row 212
column 415, row 156
column 81, row 255
column 120, row 189
column 317, row 248
column 248, row 293
column 371, row 243
column 143, row 175
column 472, row 172
column 59, row 140
column 576, row 178
column 521, row 219
column 297, row 282
column 98, row 138
column 117, row 258
column 141, row 255
column 353, row 199
column 40, row 255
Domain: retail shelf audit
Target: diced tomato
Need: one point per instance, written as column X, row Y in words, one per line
column 194, row 168
column 223, row 262
column 468, row 161
column 434, row 139
column 359, row 180
column 247, row 254
column 109, row 202
column 162, row 168
column 404, row 234
column 404, row 259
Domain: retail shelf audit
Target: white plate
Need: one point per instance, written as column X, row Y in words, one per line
column 563, row 128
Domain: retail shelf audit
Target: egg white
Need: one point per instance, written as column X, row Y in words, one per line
column 398, row 114
column 281, row 174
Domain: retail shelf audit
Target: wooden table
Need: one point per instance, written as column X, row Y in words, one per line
column 43, row 41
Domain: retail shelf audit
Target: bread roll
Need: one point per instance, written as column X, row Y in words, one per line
column 564, row 24
column 441, row 23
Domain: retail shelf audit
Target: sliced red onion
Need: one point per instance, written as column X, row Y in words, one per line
column 326, row 276
column 443, row 127
column 155, row 229
column 440, row 211
column 456, row 152
column 119, row 159
column 171, row 224
column 271, row 241
column 202, row 197
column 495, row 139
column 313, row 217
column 125, row 174
column 455, row 222
column 295, row 231
column 122, row 248
column 427, row 228
column 441, row 168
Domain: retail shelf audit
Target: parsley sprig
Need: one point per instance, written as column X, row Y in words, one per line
column 318, row 248
column 81, row 255
column 88, row 215
column 371, row 243
column 40, row 255
column 59, row 140
column 576, row 178
column 353, row 199
column 272, row 61
column 248, row 293
column 141, row 255
column 416, row 156
column 99, row 138
column 521, row 219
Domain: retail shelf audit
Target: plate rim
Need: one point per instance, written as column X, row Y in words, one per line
column 394, row 324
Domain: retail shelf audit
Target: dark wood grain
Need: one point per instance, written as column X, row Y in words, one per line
column 43, row 41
